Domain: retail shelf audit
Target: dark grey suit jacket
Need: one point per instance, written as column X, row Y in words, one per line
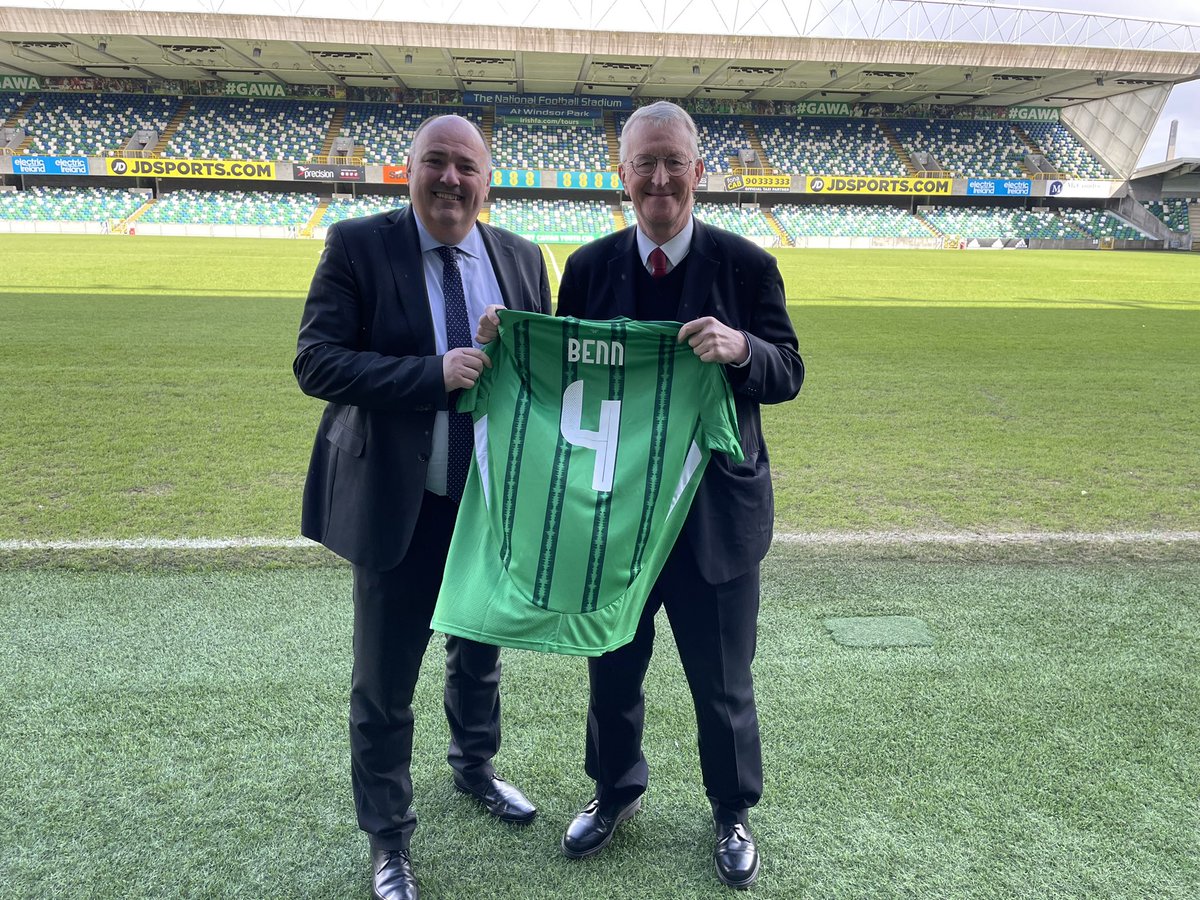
column 367, row 346
column 730, row 523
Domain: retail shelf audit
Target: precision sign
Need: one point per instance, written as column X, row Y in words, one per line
column 875, row 184
column 191, row 168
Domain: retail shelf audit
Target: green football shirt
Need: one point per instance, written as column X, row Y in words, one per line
column 590, row 441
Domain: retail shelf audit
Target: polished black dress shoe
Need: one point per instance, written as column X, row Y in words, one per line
column 591, row 830
column 736, row 856
column 501, row 799
column 392, row 876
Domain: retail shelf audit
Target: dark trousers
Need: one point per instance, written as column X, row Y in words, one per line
column 715, row 628
column 392, row 611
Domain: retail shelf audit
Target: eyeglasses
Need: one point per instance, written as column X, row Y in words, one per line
column 647, row 165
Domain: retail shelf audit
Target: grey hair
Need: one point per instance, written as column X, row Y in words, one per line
column 479, row 131
column 661, row 114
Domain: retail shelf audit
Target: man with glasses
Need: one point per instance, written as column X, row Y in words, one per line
column 730, row 296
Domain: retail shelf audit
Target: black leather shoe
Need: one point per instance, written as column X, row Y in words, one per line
column 392, row 876
column 736, row 856
column 591, row 830
column 501, row 799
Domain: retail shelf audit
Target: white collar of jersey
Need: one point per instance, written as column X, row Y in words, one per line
column 676, row 248
column 472, row 244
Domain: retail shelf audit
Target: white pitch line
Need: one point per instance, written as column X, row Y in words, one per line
column 812, row 539
column 546, row 251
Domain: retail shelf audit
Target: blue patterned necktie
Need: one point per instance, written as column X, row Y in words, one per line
column 458, row 334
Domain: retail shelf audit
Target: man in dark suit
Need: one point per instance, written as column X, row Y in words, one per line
column 385, row 339
column 730, row 296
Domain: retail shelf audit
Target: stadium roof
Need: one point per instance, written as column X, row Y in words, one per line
column 947, row 53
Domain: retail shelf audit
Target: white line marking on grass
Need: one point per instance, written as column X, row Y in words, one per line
column 985, row 538
column 812, row 538
column 546, row 251
column 251, row 543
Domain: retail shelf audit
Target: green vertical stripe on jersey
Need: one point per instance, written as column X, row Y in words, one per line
column 516, row 442
column 658, row 439
column 558, row 484
column 595, row 568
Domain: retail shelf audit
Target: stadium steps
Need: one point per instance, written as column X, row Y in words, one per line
column 1026, row 139
column 1193, row 213
column 319, row 213
column 185, row 107
column 485, row 214
column 488, row 126
column 927, row 224
column 122, row 227
column 618, row 215
column 22, row 111
column 335, row 129
column 897, row 147
column 756, row 145
column 610, row 138
column 784, row 240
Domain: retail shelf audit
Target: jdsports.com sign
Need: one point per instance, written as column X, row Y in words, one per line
column 839, row 184
column 191, row 168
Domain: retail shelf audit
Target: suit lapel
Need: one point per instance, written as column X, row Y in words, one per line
column 620, row 275
column 700, row 275
column 402, row 249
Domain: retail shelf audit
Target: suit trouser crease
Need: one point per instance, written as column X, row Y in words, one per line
column 392, row 611
column 715, row 629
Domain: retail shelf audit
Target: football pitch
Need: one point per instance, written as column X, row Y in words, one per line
column 994, row 464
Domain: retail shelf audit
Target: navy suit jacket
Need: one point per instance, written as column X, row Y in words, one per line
column 730, row 523
column 367, row 347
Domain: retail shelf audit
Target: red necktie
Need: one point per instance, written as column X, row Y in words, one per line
column 658, row 263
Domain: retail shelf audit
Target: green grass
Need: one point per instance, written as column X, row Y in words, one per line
column 183, row 735
column 148, row 389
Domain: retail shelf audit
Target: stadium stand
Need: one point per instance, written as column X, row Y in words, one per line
column 1100, row 223
column 828, row 147
column 91, row 124
column 1064, row 151
column 383, row 131
column 9, row 104
column 194, row 207
column 747, row 221
column 844, row 220
column 1000, row 222
column 721, row 137
column 552, row 217
column 524, row 146
column 258, row 129
column 62, row 204
column 341, row 208
column 978, row 149
column 1172, row 211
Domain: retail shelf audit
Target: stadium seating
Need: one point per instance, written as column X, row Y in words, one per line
column 721, row 137
column 838, row 220
column 252, row 129
column 827, row 147
column 385, row 130
column 60, row 204
column 1064, row 151
column 363, row 205
column 192, row 207
column 746, row 221
column 9, row 104
column 1100, row 223
column 968, row 148
column 1172, row 211
column 999, row 222
column 89, row 124
column 580, row 147
column 550, row 217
